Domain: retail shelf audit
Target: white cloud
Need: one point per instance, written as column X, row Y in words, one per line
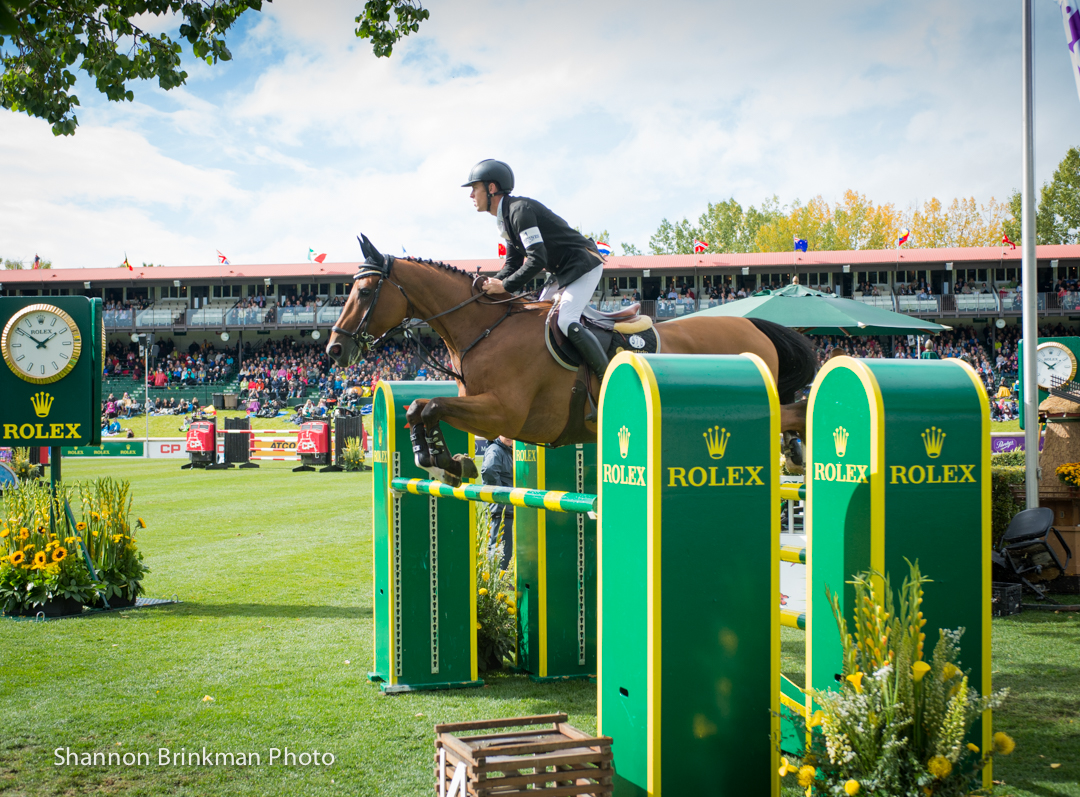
column 614, row 117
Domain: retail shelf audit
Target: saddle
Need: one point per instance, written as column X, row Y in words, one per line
column 623, row 330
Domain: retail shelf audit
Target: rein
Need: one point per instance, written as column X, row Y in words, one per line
column 366, row 342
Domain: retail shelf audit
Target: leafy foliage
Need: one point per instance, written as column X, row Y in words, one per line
column 1003, row 506
column 375, row 23
column 898, row 724
column 104, row 38
column 725, row 226
column 1057, row 217
column 496, row 601
column 352, row 455
column 13, row 265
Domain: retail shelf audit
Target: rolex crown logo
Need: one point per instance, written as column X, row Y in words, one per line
column 716, row 439
column 624, row 442
column 42, row 404
column 934, row 439
column 840, row 438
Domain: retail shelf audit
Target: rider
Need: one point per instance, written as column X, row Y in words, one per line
column 537, row 239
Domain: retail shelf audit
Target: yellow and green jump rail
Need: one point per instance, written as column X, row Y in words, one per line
column 551, row 500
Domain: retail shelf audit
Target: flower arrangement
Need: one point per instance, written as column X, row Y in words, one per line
column 48, row 559
column 898, row 724
column 1069, row 474
column 352, row 455
column 496, row 601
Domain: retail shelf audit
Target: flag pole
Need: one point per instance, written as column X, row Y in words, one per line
column 1029, row 322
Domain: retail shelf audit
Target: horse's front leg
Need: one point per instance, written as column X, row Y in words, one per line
column 481, row 415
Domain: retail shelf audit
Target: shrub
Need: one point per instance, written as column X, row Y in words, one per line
column 1003, row 505
column 496, row 601
column 352, row 455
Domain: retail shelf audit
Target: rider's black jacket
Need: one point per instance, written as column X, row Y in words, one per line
column 537, row 239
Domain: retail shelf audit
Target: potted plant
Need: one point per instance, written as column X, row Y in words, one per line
column 107, row 534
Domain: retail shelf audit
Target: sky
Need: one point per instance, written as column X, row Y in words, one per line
column 614, row 115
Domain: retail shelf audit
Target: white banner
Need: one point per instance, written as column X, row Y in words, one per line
column 1070, row 16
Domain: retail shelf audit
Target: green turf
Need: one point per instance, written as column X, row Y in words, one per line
column 274, row 571
column 169, row 425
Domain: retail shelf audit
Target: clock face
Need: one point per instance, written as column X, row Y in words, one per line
column 1054, row 363
column 41, row 343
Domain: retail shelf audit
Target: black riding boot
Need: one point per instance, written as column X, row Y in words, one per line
column 589, row 348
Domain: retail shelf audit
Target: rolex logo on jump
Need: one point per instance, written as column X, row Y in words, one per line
column 933, row 439
column 840, row 438
column 716, row 439
column 624, row 442
column 42, row 404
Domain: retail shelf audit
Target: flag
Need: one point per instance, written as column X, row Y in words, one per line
column 320, row 258
column 310, row 256
column 603, row 248
column 904, row 235
column 37, row 262
column 502, row 250
column 126, row 264
column 1070, row 16
column 700, row 246
column 222, row 260
column 1005, row 240
column 800, row 244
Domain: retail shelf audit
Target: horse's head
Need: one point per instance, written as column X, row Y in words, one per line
column 369, row 312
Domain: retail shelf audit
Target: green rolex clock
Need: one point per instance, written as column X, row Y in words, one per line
column 41, row 344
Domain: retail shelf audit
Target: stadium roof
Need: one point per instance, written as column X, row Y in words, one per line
column 996, row 256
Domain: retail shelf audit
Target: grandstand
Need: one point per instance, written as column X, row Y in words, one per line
column 242, row 312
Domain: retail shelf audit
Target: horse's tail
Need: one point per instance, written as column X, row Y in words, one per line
column 796, row 356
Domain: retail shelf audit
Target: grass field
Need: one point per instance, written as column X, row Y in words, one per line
column 274, row 571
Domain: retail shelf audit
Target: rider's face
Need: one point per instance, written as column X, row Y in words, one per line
column 480, row 197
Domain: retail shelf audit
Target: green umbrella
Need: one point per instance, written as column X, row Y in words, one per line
column 817, row 313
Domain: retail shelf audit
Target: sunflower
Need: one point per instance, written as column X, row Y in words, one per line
column 59, row 555
column 80, row 526
column 40, row 560
column 4, row 532
column 24, row 533
column 17, row 558
column 95, row 516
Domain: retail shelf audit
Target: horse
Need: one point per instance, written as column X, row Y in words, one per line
column 508, row 383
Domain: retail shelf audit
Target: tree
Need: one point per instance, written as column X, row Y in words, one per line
column 629, row 250
column 51, row 37
column 1058, row 220
column 725, row 226
column 963, row 224
column 854, row 223
column 17, row 264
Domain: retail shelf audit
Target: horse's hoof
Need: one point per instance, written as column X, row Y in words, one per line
column 468, row 467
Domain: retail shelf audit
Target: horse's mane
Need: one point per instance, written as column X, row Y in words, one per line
column 437, row 264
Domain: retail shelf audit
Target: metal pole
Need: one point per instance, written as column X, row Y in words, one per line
column 1029, row 286
column 146, row 390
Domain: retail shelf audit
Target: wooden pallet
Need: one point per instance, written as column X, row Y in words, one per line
column 555, row 761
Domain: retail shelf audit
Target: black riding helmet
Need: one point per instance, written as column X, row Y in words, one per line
column 492, row 171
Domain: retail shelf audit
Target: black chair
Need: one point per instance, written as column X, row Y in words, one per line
column 1024, row 550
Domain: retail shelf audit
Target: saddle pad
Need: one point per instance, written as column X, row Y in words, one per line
column 641, row 338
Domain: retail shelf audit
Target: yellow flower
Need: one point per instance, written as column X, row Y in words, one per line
column 24, row 533
column 29, row 547
column 479, row 627
column 71, row 540
column 17, row 558
column 950, row 671
column 80, row 526
column 919, row 669
column 59, row 554
column 815, row 719
column 851, row 788
column 117, row 537
column 786, row 768
column 483, row 590
column 973, row 747
column 806, row 776
column 142, row 523
column 1003, row 743
column 500, row 597
column 485, row 576
column 512, row 611
column 939, row 767
column 3, row 533
column 40, row 560
column 95, row 516
column 856, row 681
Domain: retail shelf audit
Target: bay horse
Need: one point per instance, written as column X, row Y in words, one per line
column 508, row 383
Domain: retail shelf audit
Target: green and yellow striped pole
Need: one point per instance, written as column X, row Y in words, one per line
column 551, row 500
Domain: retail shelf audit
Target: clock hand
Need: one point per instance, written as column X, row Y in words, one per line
column 27, row 334
column 41, row 345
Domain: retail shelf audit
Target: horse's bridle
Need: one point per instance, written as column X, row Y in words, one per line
column 366, row 342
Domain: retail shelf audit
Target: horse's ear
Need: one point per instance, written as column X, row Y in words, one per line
column 370, row 252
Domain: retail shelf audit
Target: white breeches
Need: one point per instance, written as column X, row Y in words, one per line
column 574, row 297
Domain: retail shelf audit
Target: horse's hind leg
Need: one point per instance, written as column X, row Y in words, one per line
column 481, row 415
column 793, row 425
column 429, row 446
